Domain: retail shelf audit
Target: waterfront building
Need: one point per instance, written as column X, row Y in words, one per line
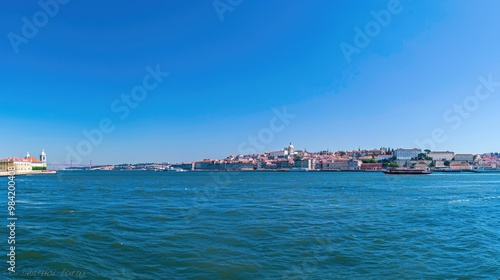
column 245, row 165
column 221, row 165
column 464, row 157
column 40, row 163
column 20, row 165
column 440, row 164
column 207, row 165
column 354, row 164
column 383, row 157
column 335, row 164
column 421, row 165
column 460, row 166
column 304, row 163
column 284, row 164
column 24, row 165
column 407, row 154
column 278, row 154
column 442, row 155
column 371, row 166
column 268, row 165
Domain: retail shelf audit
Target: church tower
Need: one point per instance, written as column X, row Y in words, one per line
column 291, row 149
column 43, row 158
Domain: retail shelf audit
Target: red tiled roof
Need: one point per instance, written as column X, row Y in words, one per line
column 34, row 160
column 31, row 159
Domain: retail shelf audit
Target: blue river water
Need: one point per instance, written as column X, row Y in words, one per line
column 253, row 225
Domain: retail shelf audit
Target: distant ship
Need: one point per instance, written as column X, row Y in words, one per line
column 407, row 171
column 298, row 169
column 174, row 169
column 484, row 169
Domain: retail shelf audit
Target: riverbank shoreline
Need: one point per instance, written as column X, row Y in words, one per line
column 48, row 172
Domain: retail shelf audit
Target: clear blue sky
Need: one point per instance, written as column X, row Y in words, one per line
column 228, row 71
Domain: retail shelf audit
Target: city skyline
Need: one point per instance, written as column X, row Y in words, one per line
column 182, row 82
column 383, row 149
column 291, row 159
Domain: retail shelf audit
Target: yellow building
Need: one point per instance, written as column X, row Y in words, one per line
column 24, row 165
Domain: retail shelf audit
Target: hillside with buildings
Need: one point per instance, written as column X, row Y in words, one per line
column 290, row 159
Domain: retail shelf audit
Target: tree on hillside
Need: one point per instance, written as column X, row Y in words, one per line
column 393, row 165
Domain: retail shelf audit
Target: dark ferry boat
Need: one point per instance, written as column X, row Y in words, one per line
column 407, row 171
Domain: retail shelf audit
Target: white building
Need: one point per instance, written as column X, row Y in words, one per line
column 464, row 157
column 24, row 165
column 38, row 163
column 278, row 154
column 383, row 157
column 407, row 154
column 290, row 149
column 442, row 155
column 284, row 153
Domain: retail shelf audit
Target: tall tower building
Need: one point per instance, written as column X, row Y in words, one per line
column 291, row 149
column 43, row 158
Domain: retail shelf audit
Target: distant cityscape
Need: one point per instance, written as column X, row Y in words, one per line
column 290, row 159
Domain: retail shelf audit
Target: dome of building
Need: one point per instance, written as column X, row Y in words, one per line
column 291, row 149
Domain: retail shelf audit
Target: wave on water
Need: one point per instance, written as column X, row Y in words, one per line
column 459, row 201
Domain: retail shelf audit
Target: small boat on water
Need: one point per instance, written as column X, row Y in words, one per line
column 407, row 171
column 481, row 169
column 298, row 169
column 174, row 169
